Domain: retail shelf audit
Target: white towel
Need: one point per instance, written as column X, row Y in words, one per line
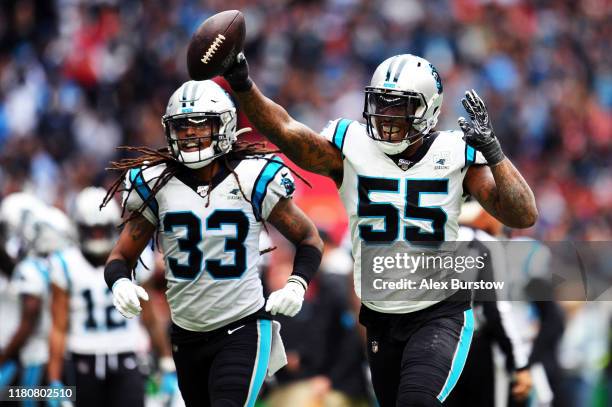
column 541, row 386
column 278, row 357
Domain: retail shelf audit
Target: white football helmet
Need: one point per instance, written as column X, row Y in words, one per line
column 198, row 106
column 18, row 210
column 34, row 226
column 17, row 206
column 97, row 227
column 409, row 82
column 49, row 230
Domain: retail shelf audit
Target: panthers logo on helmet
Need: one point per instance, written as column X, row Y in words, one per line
column 436, row 76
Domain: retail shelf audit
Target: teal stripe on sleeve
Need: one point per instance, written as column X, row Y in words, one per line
column 470, row 156
column 340, row 133
column 142, row 188
column 264, row 178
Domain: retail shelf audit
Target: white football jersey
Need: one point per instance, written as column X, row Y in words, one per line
column 418, row 202
column 31, row 277
column 211, row 247
column 95, row 326
column 9, row 310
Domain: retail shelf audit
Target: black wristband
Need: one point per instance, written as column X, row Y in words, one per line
column 115, row 270
column 492, row 152
column 306, row 262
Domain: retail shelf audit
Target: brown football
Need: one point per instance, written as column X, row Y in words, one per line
column 215, row 44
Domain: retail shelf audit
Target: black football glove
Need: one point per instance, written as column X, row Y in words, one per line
column 479, row 133
column 237, row 75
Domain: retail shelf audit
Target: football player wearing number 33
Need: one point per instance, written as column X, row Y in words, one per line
column 401, row 180
column 206, row 197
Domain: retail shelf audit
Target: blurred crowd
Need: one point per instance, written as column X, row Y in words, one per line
column 79, row 78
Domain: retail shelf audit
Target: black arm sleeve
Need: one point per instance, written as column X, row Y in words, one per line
column 115, row 270
column 306, row 262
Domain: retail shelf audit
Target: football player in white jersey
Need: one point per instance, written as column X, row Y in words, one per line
column 400, row 180
column 14, row 211
column 38, row 230
column 207, row 197
column 101, row 344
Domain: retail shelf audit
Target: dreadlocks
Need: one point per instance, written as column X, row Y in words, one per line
column 150, row 158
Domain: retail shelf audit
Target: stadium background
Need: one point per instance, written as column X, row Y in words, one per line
column 79, row 78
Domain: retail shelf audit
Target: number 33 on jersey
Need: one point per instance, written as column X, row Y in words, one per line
column 211, row 243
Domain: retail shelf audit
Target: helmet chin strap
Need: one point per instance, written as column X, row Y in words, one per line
column 391, row 148
column 243, row 130
column 194, row 165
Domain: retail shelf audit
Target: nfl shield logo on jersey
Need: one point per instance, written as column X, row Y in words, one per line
column 202, row 190
column 404, row 164
column 441, row 160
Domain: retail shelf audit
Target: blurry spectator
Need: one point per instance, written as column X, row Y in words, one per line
column 582, row 351
column 526, row 267
column 495, row 325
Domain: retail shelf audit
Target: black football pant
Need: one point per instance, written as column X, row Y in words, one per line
column 107, row 380
column 416, row 359
column 225, row 367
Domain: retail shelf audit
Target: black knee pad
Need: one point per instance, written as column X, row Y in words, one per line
column 417, row 399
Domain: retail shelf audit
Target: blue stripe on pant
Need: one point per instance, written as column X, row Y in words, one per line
column 461, row 353
column 30, row 377
column 8, row 370
column 264, row 346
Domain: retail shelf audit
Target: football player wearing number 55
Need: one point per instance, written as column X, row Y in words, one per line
column 207, row 196
column 400, row 180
